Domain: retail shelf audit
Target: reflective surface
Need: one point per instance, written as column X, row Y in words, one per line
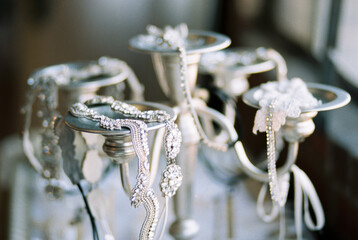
column 94, row 81
column 241, row 60
column 331, row 97
column 197, row 42
column 86, row 125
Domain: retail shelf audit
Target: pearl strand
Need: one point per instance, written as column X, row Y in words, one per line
column 187, row 96
column 275, row 191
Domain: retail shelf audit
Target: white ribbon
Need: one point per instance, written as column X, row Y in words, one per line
column 305, row 194
column 305, row 186
column 260, row 208
column 284, row 185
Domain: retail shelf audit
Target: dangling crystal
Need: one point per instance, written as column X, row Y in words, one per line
column 45, row 123
column 30, row 81
column 171, row 180
column 46, row 149
column 42, row 97
column 40, row 114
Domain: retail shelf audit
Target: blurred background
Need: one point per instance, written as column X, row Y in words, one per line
column 318, row 39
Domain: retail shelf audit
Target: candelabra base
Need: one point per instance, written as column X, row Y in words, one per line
column 184, row 229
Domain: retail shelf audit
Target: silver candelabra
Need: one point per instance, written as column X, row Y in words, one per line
column 176, row 55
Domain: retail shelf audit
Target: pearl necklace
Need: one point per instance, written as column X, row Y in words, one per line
column 277, row 195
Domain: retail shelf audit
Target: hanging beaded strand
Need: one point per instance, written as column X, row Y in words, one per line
column 174, row 39
column 44, row 86
column 275, row 191
column 141, row 193
column 171, row 176
column 47, row 163
column 187, row 96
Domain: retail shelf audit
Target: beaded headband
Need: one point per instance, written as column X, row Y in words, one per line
column 172, row 177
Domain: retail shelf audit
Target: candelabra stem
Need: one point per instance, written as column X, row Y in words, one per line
column 184, row 227
column 124, row 170
column 155, row 154
column 167, row 65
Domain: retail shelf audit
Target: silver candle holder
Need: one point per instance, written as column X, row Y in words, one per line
column 167, row 67
column 55, row 88
column 296, row 129
column 82, row 81
column 118, row 143
column 125, row 128
column 232, row 67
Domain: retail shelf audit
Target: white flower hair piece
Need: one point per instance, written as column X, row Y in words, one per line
column 288, row 97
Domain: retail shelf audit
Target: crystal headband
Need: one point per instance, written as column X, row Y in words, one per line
column 103, row 72
column 172, row 177
column 44, row 84
column 174, row 38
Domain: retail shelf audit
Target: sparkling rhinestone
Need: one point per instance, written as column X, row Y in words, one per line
column 30, row 81
column 42, row 97
column 45, row 123
column 40, row 114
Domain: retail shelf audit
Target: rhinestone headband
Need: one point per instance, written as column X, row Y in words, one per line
column 174, row 38
column 172, row 177
column 65, row 74
column 44, row 85
column 279, row 100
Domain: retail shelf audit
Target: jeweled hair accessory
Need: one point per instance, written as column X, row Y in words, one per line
column 286, row 107
column 282, row 105
column 80, row 79
column 286, row 98
column 175, row 38
column 171, row 176
column 167, row 38
column 134, row 120
column 277, row 101
column 56, row 149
